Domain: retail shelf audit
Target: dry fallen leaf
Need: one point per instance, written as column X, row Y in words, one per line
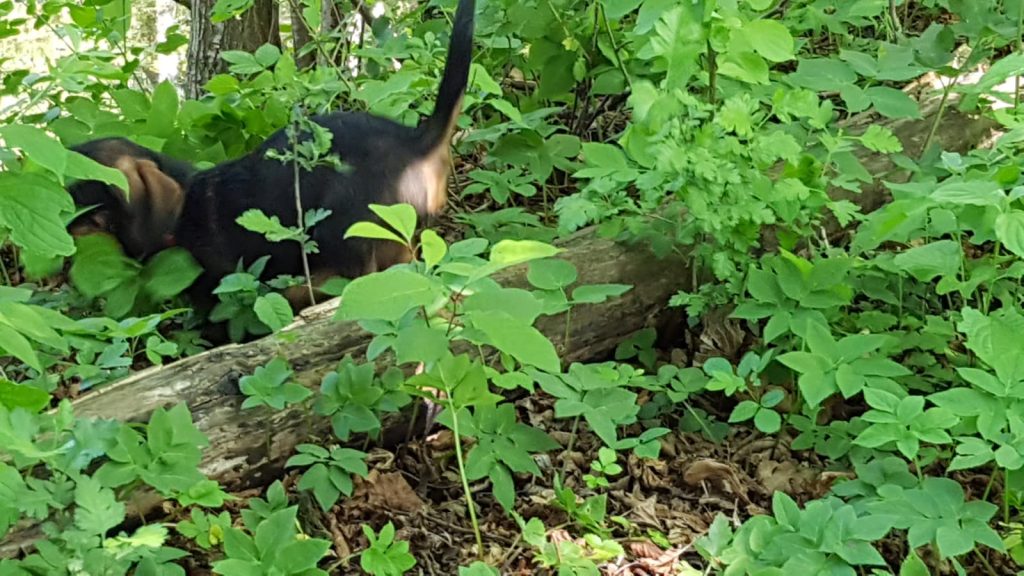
column 389, row 490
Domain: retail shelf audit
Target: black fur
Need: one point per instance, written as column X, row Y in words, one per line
column 377, row 151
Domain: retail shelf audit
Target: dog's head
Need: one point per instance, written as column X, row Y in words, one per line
column 143, row 219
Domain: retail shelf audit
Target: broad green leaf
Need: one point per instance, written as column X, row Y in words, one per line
column 604, row 155
column 551, row 274
column 433, row 248
column 512, row 252
column 38, row 146
column 678, row 40
column 30, row 321
column 372, row 230
column 22, row 396
column 769, row 38
column 748, row 67
column 388, row 295
column 893, row 103
column 273, row 310
column 974, row 193
column 941, row 258
column 81, row 167
column 164, row 111
column 420, row 343
column 169, row 272
column 14, row 344
column 522, row 305
column 31, row 206
column 914, row 566
column 823, row 75
column 100, row 266
column 401, row 217
column 616, row 9
column 1010, row 231
column 598, row 293
column 805, row 362
column 516, row 338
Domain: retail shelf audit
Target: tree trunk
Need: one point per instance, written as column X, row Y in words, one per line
column 300, row 37
column 255, row 27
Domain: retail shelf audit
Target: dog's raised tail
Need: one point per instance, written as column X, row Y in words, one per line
column 438, row 126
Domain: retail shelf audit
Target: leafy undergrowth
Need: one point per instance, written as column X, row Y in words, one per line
column 842, row 401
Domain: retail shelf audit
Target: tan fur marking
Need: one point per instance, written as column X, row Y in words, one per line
column 424, row 184
column 154, row 202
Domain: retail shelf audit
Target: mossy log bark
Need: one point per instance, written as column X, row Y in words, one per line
column 248, row 448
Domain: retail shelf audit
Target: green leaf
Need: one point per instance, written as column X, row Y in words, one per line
column 743, row 411
column 881, row 139
column 372, row 230
column 747, row 67
column 805, row 362
column 22, row 396
column 512, row 336
column 168, row 273
column 273, row 310
column 516, row 302
column 924, row 263
column 14, row 344
column 401, row 217
column 617, row 9
column 433, row 248
column 769, row 38
column 914, row 566
column 893, row 103
column 973, row 193
column 768, row 421
column 388, row 295
column 604, row 155
column 598, row 293
column 254, row 220
column 1010, row 231
column 420, row 343
column 551, row 274
column 100, row 265
column 82, row 167
column 823, row 75
column 678, row 39
column 953, row 541
column 97, row 509
column 38, row 146
column 512, row 252
column 31, row 206
column 164, row 111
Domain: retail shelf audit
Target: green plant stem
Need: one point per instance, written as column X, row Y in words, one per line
column 896, row 24
column 615, row 46
column 988, row 567
column 572, row 442
column 465, row 483
column 3, row 268
column 938, row 117
column 298, row 212
column 712, row 77
column 1006, row 496
column 1020, row 50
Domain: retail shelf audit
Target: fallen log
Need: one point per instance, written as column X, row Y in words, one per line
column 248, row 448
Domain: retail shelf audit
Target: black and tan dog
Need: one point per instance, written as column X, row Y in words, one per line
column 386, row 162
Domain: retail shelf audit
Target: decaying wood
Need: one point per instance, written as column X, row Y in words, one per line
column 248, row 448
